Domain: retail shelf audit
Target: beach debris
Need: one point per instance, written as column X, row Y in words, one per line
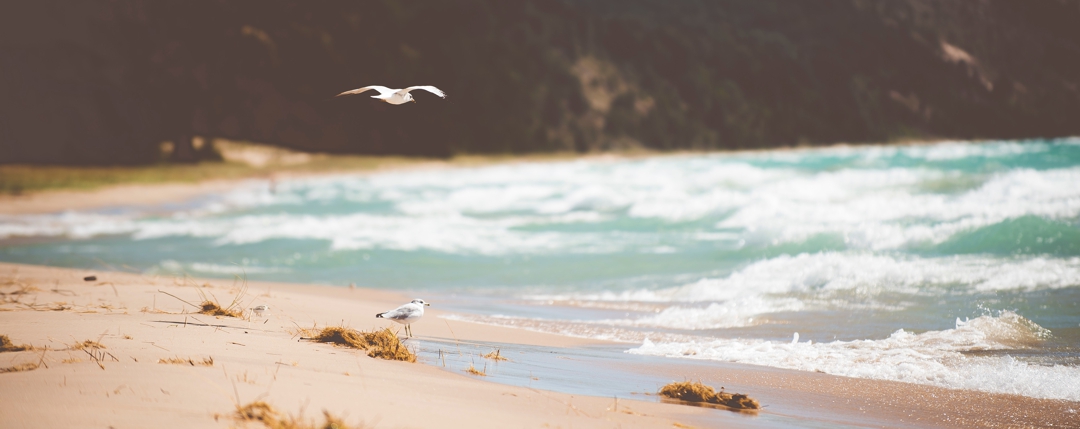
column 698, row 392
column 382, row 344
column 209, row 361
column 29, row 366
column 213, row 309
column 495, row 356
column 472, row 370
column 90, row 278
column 88, row 344
column 261, row 412
column 211, row 306
column 7, row 346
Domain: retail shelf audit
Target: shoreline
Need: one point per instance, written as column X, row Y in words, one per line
column 138, row 325
column 159, row 193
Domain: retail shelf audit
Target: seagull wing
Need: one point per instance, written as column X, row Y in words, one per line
column 404, row 312
column 383, row 91
column 427, row 88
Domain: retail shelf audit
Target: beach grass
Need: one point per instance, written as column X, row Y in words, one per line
column 698, row 392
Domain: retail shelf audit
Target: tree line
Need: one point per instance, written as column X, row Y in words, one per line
column 106, row 81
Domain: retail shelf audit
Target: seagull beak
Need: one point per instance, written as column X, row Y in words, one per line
column 427, row 304
column 413, row 100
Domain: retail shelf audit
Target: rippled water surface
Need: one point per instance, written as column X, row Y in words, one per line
column 954, row 264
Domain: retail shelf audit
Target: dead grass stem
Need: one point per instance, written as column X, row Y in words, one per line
column 210, row 304
column 88, row 344
column 382, row 344
column 209, row 361
column 698, row 392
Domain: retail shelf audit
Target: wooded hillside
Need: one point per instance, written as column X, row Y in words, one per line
column 105, row 82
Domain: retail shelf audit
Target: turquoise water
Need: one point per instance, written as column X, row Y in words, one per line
column 954, row 264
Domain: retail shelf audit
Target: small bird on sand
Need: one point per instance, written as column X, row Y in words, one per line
column 395, row 96
column 260, row 309
column 406, row 314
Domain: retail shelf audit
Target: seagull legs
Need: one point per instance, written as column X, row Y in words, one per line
column 408, row 331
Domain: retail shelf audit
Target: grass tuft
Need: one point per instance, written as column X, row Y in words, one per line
column 697, row 392
column 495, row 356
column 189, row 361
column 382, row 344
column 472, row 370
column 261, row 412
column 212, row 308
column 88, row 344
column 7, row 346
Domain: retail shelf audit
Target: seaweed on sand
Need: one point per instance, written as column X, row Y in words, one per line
column 382, row 344
column 697, row 392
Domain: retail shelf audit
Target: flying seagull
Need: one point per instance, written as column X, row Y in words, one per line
column 406, row 314
column 395, row 96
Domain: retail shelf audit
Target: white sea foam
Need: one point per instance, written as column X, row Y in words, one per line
column 484, row 210
column 885, row 209
column 934, row 357
column 869, row 274
column 176, row 267
column 729, row 314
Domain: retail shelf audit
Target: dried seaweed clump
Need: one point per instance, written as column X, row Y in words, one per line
column 262, row 412
column 383, row 344
column 697, row 392
column 7, row 346
column 495, row 356
column 212, row 308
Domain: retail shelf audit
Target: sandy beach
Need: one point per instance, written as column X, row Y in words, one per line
column 122, row 384
column 137, row 324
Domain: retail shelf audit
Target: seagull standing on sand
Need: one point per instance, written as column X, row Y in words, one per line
column 395, row 96
column 260, row 309
column 406, row 314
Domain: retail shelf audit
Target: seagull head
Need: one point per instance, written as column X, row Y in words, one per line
column 409, row 97
column 421, row 302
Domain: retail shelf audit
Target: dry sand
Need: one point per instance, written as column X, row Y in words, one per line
column 123, row 385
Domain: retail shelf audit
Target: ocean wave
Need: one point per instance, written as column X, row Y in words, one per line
column 823, row 274
column 176, row 267
column 934, row 357
column 718, row 315
column 942, row 358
